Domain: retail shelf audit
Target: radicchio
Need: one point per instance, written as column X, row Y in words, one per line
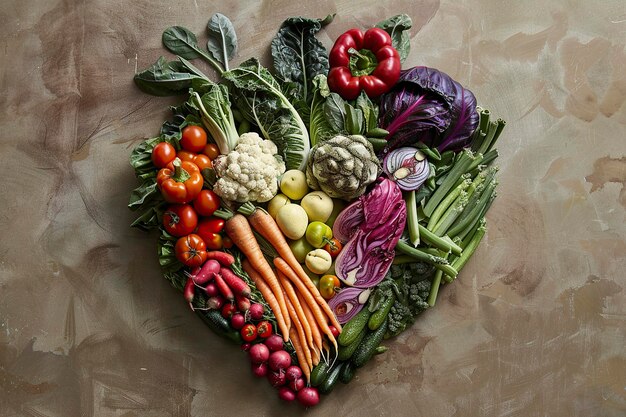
column 427, row 105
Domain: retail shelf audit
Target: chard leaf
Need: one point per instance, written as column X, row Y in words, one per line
column 260, row 99
column 370, row 111
column 335, row 112
column 222, row 43
column 398, row 28
column 319, row 128
column 298, row 55
column 165, row 78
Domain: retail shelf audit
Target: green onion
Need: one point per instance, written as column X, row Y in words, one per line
column 441, row 243
column 411, row 217
column 437, row 261
column 447, row 201
column 460, row 167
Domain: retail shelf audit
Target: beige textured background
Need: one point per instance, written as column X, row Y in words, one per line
column 534, row 326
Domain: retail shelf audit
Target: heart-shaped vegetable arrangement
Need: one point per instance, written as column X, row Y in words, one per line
column 311, row 282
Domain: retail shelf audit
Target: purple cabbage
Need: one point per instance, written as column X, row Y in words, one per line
column 428, row 106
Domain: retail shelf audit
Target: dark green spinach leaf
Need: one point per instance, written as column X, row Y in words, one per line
column 165, row 78
column 222, row 43
column 298, row 55
column 398, row 28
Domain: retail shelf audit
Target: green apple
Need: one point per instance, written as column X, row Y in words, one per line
column 300, row 248
column 292, row 220
column 293, row 184
column 338, row 205
column 276, row 203
column 318, row 205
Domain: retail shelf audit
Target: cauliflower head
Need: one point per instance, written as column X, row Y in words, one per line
column 250, row 171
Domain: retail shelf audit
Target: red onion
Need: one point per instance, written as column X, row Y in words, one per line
column 348, row 302
column 407, row 166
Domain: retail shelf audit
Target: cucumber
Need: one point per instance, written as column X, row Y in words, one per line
column 377, row 143
column 380, row 349
column 378, row 316
column 220, row 326
column 354, row 327
column 377, row 132
column 319, row 373
column 347, row 372
column 332, row 378
column 368, row 346
column 346, row 352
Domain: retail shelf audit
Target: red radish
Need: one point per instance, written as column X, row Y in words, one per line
column 259, row 353
column 279, row 360
column 237, row 321
column 308, row 396
column 223, row 287
column 259, row 369
column 293, row 372
column 205, row 274
column 256, row 311
column 215, row 303
column 189, row 292
column 211, row 289
column 297, row 384
column 277, row 379
column 243, row 303
column 236, row 284
column 335, row 332
column 246, row 346
column 228, row 310
column 286, row 394
column 226, row 259
column 274, row 343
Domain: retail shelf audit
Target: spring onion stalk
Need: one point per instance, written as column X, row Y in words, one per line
column 402, row 259
column 411, row 218
column 468, row 223
column 495, row 128
column 481, row 131
column 451, row 214
column 460, row 167
column 500, row 127
column 471, row 246
column 487, row 159
column 437, row 261
column 447, row 201
column 475, row 204
column 434, row 287
column 440, row 243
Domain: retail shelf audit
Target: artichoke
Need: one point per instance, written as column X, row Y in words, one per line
column 343, row 166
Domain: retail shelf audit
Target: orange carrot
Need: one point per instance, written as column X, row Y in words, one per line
column 295, row 302
column 239, row 231
column 263, row 223
column 315, row 330
column 295, row 341
column 301, row 336
column 320, row 318
column 269, row 296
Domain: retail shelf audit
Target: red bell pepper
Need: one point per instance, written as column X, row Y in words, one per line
column 180, row 181
column 363, row 61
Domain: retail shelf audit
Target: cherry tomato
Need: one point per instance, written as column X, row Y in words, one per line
column 201, row 160
column 206, row 203
column 227, row 242
column 264, row 329
column 333, row 247
column 211, row 150
column 193, row 139
column 248, row 332
column 212, row 240
column 228, row 310
column 335, row 332
column 328, row 286
column 191, row 250
column 211, row 225
column 162, row 154
column 180, row 220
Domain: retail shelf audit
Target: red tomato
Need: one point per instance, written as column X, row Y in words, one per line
column 191, row 250
column 212, row 151
column 334, row 247
column 206, row 203
column 201, row 160
column 335, row 332
column 162, row 154
column 248, row 332
column 264, row 329
column 211, row 225
column 180, row 220
column 228, row 310
column 328, row 286
column 193, row 139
